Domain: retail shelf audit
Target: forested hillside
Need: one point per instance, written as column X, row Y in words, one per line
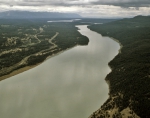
column 129, row 81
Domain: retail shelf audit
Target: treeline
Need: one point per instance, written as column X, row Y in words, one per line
column 131, row 68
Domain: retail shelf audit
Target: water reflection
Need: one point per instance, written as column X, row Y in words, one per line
column 70, row 85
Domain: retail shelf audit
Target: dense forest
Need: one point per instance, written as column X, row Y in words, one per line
column 129, row 80
column 28, row 42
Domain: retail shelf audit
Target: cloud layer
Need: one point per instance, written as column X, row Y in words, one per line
column 98, row 7
column 121, row 3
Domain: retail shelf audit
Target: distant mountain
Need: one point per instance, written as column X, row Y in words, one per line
column 32, row 15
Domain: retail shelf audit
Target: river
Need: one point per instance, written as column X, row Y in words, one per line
column 69, row 85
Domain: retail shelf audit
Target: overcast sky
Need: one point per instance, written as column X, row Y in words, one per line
column 85, row 8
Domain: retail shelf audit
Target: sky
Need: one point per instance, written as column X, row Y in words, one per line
column 85, row 8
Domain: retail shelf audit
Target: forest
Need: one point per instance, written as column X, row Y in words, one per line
column 130, row 74
column 28, row 42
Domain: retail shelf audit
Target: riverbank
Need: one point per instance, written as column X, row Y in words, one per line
column 121, row 46
column 129, row 69
column 26, row 68
column 109, row 108
column 119, row 51
column 15, row 72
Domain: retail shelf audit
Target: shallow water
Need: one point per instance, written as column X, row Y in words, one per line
column 70, row 85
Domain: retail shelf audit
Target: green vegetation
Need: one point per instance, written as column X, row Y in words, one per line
column 28, row 42
column 130, row 74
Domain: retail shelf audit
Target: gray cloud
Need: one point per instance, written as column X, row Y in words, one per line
column 121, row 3
column 124, row 3
column 87, row 8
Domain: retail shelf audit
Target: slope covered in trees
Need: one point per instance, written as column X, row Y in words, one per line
column 129, row 81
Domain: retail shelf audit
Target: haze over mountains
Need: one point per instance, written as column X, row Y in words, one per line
column 29, row 15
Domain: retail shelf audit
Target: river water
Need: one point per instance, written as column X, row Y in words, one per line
column 70, row 85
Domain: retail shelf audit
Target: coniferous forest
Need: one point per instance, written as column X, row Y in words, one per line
column 129, row 80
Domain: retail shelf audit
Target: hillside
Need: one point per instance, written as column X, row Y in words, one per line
column 129, row 81
column 35, row 15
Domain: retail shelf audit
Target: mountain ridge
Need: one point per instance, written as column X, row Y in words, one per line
column 32, row 15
